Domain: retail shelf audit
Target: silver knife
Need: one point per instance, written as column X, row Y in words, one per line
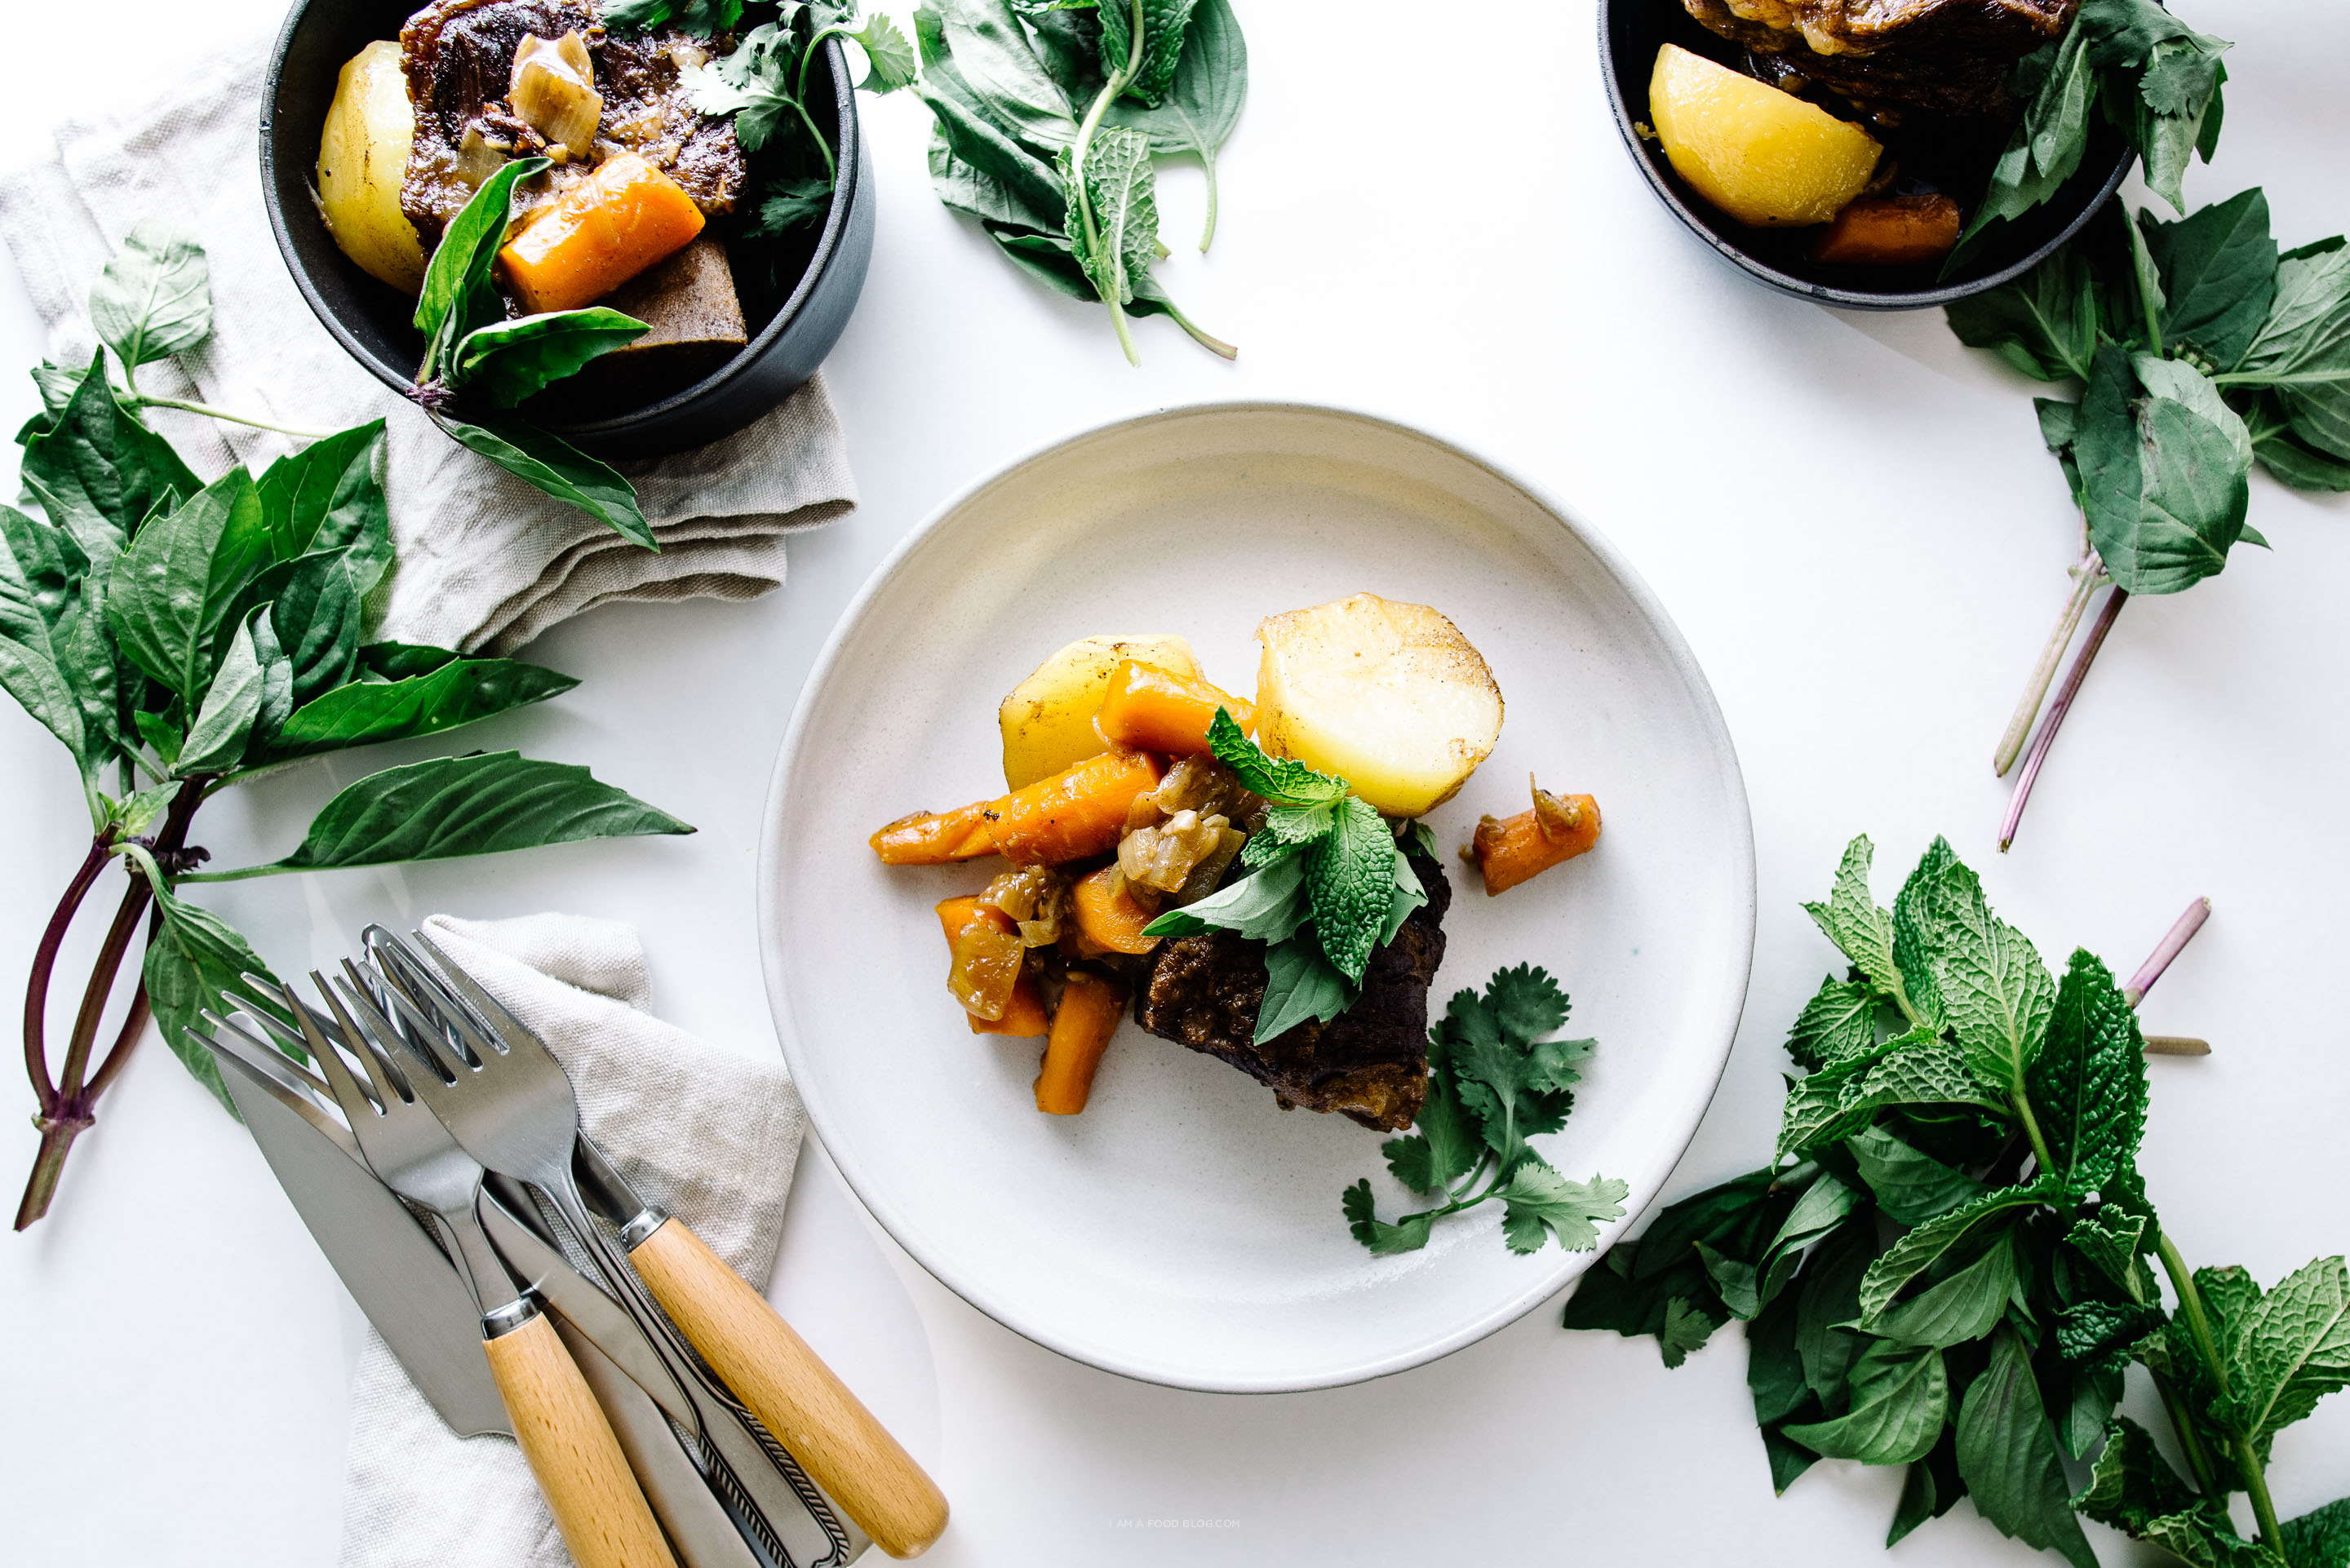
column 406, row 1286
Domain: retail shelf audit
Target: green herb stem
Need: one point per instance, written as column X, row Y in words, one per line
column 799, row 100
column 2199, row 1327
column 1086, row 129
column 1207, row 161
column 141, row 401
column 2190, row 1443
column 2021, row 1105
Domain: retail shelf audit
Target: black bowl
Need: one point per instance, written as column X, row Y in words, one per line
column 793, row 324
column 1630, row 33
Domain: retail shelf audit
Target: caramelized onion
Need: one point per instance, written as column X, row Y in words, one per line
column 553, row 91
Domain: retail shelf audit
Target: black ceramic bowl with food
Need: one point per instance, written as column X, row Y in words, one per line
column 1630, row 33
column 794, row 305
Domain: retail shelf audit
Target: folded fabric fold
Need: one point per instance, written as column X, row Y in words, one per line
column 707, row 1134
column 485, row 562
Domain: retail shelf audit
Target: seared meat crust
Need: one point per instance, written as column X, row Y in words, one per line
column 1370, row 1064
column 1949, row 58
column 458, row 55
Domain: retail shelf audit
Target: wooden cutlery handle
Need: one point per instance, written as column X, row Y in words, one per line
column 795, row 1395
column 589, row 1489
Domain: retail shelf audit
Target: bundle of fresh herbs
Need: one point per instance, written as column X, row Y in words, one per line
column 1951, row 1261
column 182, row 637
column 1069, row 191
column 1329, row 884
column 2199, row 349
column 2155, row 79
column 1496, row 1080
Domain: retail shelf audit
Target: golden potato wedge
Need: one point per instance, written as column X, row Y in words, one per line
column 363, row 157
column 1048, row 720
column 1390, row 696
column 1762, row 156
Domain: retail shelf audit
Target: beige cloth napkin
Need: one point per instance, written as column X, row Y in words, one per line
column 709, row 1134
column 485, row 561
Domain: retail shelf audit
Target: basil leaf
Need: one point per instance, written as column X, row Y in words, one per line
column 402, row 661
column 2007, row 1452
column 991, row 54
column 314, row 612
column 99, row 474
column 197, row 961
column 154, row 298
column 458, row 294
column 1819, row 1210
column 1922, row 1248
column 2219, row 274
column 458, row 692
column 1900, row 1398
column 1265, row 906
column 2046, row 146
column 2293, row 462
column 177, row 584
column 1965, row 1307
column 328, row 496
column 2167, row 488
column 1299, row 984
column 479, row 804
column 509, row 360
column 277, row 684
column 217, row 738
column 2043, row 324
column 57, row 386
column 1911, row 1187
column 2303, row 351
column 561, row 470
column 36, row 582
column 979, row 166
column 1203, row 104
column 1164, row 23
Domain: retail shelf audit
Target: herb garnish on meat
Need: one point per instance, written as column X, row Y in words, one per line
column 1950, row 1261
column 1495, row 1081
column 1329, row 885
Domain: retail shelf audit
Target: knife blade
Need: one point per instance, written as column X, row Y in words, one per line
column 399, row 1276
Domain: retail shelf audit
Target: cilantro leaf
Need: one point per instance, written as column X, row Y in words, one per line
column 1282, row 781
column 753, row 84
column 792, row 203
column 1408, row 1235
column 1536, row 1201
column 1443, row 1147
column 1685, row 1329
column 888, row 57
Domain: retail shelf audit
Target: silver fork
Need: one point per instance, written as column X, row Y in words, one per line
column 506, row 1099
column 578, row 1463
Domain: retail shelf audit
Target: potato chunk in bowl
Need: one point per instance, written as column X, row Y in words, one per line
column 1390, row 696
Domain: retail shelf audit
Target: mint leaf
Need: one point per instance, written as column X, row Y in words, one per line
column 1349, row 884
column 1282, row 781
column 1862, row 932
column 1164, row 23
column 1918, row 1250
column 1900, row 1398
column 2111, row 1239
column 1300, row 983
column 1919, row 1068
column 2321, row 1538
column 1122, row 191
column 2088, row 1086
column 2287, row 1351
column 1537, row 1202
column 1837, row 1024
column 1991, row 987
column 1917, row 940
column 2007, row 1453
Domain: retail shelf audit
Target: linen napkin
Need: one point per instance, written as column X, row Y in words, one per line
column 485, row 562
column 707, row 1134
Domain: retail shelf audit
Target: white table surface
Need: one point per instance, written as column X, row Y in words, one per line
column 1850, row 516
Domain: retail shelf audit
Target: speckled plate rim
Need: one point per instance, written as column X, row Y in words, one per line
column 1730, row 980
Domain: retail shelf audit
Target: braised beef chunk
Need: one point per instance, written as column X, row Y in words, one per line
column 459, row 59
column 1370, row 1064
column 1948, row 56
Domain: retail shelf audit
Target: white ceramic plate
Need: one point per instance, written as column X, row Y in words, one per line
column 1185, row 1229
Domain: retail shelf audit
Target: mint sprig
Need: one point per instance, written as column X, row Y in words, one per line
column 1496, row 1079
column 1329, row 886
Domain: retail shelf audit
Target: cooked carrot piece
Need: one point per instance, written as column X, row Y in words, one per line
column 1107, row 915
column 1157, row 711
column 936, row 838
column 1508, row 850
column 1091, row 1005
column 1890, row 230
column 977, row 928
column 598, row 234
column 1078, row 812
column 1023, row 1015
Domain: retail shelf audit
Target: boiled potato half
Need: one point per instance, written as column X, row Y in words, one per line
column 1390, row 696
column 1048, row 720
column 362, row 158
column 1762, row 156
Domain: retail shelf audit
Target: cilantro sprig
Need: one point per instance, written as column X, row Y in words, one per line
column 1954, row 1257
column 1329, row 886
column 1495, row 1080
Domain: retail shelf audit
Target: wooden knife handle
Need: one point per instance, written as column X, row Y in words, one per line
column 795, row 1396
column 589, row 1489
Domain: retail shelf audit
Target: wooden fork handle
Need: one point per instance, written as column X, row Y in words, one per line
column 589, row 1489
column 795, row 1396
